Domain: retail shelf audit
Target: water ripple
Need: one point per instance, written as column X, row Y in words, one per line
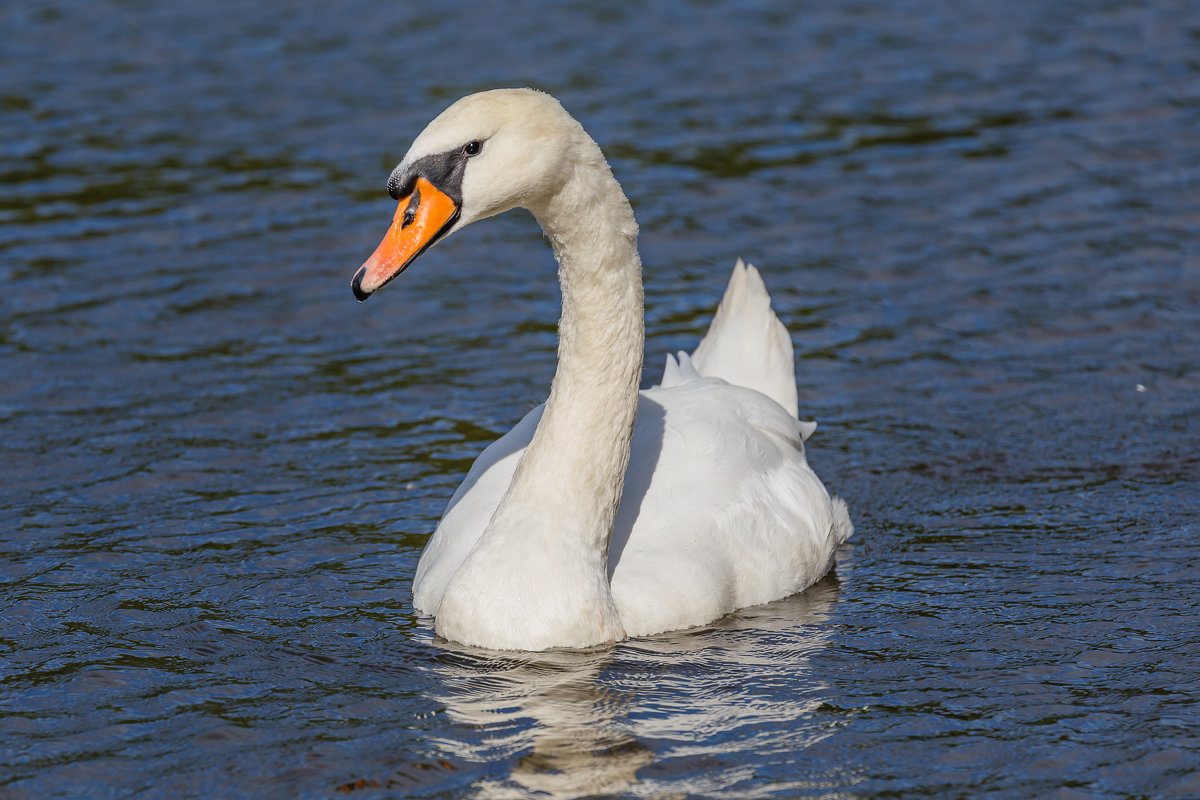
column 219, row 470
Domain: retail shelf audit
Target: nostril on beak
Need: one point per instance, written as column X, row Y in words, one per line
column 410, row 213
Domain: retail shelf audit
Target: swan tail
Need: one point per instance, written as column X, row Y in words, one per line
column 746, row 344
column 843, row 528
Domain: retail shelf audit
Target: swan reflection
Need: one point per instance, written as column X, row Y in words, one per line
column 670, row 709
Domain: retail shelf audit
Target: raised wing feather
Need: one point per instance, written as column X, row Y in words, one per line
column 746, row 344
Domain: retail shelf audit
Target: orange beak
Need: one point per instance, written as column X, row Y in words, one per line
column 421, row 218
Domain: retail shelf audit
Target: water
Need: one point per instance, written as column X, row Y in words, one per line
column 978, row 220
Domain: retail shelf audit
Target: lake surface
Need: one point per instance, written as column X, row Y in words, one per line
column 980, row 221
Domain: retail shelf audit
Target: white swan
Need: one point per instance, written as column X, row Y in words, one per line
column 580, row 526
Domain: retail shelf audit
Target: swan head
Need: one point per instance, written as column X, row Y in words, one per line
column 485, row 154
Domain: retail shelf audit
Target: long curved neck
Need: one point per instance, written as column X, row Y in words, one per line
column 581, row 447
column 538, row 575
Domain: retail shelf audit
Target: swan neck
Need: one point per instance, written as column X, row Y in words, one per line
column 582, row 443
column 538, row 577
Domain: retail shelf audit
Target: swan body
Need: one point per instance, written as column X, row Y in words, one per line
column 607, row 512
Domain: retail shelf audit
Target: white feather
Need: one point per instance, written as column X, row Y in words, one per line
column 746, row 344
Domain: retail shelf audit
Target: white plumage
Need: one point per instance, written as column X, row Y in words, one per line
column 580, row 525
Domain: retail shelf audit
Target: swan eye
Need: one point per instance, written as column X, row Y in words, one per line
column 472, row 148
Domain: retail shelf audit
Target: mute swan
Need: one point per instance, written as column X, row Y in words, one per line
column 581, row 526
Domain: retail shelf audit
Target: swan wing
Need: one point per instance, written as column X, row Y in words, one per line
column 746, row 344
column 469, row 511
column 720, row 508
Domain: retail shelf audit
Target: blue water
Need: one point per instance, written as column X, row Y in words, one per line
column 979, row 221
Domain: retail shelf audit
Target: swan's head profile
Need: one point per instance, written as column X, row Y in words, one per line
column 485, row 154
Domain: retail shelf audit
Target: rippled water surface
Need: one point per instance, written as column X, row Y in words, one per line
column 979, row 220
